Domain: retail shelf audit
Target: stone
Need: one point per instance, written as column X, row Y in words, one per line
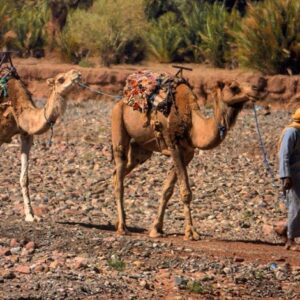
column 14, row 243
column 41, row 210
column 238, row 259
column 268, row 230
column 180, row 282
column 8, row 275
column 80, row 262
column 23, row 269
column 4, row 251
column 281, row 228
column 15, row 250
column 144, row 284
column 30, row 246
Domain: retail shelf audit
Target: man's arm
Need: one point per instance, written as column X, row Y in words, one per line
column 286, row 149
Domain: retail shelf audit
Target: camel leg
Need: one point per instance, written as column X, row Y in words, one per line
column 118, row 182
column 26, row 143
column 186, row 194
column 168, row 189
column 120, row 143
column 136, row 156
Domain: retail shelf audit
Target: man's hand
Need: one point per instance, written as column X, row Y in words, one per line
column 287, row 183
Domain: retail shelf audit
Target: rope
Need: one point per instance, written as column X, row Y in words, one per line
column 263, row 149
column 116, row 97
column 51, row 125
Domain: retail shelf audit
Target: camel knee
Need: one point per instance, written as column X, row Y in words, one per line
column 24, row 182
column 120, row 152
column 168, row 192
column 186, row 197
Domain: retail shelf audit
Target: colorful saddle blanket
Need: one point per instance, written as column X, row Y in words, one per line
column 146, row 90
column 4, row 77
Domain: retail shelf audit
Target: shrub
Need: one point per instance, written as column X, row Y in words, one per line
column 194, row 16
column 206, row 32
column 215, row 37
column 268, row 38
column 6, row 10
column 117, row 264
column 164, row 39
column 156, row 8
column 29, row 27
column 110, row 29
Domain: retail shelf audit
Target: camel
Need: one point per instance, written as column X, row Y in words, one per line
column 136, row 135
column 19, row 115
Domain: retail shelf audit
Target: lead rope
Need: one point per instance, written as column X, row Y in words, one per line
column 83, row 85
column 265, row 156
column 51, row 125
column 263, row 149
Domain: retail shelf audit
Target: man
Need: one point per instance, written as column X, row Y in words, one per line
column 289, row 172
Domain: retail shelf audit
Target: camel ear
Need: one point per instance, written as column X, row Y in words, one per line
column 50, row 82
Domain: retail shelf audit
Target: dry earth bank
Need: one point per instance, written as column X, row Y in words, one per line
column 280, row 90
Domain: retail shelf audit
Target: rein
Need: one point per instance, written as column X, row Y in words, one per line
column 51, row 125
column 83, row 85
column 266, row 161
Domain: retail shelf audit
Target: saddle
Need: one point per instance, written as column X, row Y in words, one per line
column 147, row 91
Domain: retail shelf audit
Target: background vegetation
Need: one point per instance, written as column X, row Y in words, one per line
column 263, row 35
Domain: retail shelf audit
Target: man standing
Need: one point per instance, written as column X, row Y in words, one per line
column 289, row 172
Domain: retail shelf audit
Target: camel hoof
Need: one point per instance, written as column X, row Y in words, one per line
column 122, row 230
column 154, row 233
column 191, row 235
column 32, row 218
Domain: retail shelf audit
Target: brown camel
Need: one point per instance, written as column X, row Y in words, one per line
column 19, row 115
column 136, row 135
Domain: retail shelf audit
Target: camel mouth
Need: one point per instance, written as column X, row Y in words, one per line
column 76, row 77
column 253, row 98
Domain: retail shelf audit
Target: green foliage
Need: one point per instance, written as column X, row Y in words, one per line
column 206, row 33
column 117, row 264
column 85, row 63
column 29, row 27
column 214, row 37
column 268, row 38
column 156, row 8
column 110, row 29
column 164, row 39
column 6, row 10
column 196, row 287
column 194, row 17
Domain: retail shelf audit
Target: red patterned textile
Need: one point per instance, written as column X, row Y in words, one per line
column 146, row 89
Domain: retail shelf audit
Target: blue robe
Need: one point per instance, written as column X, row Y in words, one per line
column 289, row 166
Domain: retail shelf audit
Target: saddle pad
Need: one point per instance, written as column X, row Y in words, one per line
column 146, row 90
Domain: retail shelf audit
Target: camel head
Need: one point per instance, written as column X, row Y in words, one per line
column 63, row 82
column 235, row 93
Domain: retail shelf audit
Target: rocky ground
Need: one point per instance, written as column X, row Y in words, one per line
column 75, row 254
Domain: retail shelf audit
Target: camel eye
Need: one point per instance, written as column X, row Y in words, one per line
column 61, row 80
column 235, row 89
